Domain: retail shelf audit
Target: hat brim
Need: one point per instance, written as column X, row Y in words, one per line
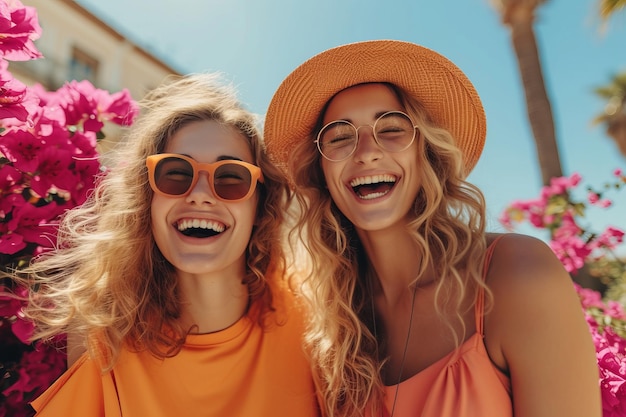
column 439, row 85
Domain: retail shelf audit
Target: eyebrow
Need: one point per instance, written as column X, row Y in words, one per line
column 227, row 157
column 376, row 116
column 219, row 158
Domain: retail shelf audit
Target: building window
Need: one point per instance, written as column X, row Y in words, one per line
column 83, row 66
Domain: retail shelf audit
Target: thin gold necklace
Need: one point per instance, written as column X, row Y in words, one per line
column 406, row 343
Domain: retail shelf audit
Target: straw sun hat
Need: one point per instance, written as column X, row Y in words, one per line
column 440, row 86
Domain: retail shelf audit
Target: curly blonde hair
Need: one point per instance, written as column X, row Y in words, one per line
column 449, row 229
column 107, row 282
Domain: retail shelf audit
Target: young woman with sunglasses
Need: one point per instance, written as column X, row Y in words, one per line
column 173, row 273
column 416, row 310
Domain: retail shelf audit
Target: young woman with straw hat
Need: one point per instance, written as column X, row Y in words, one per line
column 415, row 309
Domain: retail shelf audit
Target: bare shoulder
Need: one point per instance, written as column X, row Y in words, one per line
column 528, row 280
column 536, row 332
column 524, row 262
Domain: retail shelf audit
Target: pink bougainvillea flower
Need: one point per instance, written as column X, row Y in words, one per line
column 11, row 243
column 507, row 217
column 83, row 103
column 518, row 211
column 9, row 304
column 38, row 369
column 12, row 93
column 87, row 171
column 9, row 178
column 34, row 224
column 538, row 219
column 19, row 27
column 7, row 202
column 556, row 211
column 612, row 381
column 84, row 145
column 48, row 112
column 78, row 100
column 572, row 252
column 616, row 310
column 119, row 108
column 22, row 148
column 20, row 116
column 568, row 227
column 588, row 297
column 58, row 105
column 559, row 186
column 46, row 98
column 23, row 329
column 610, row 238
column 53, row 171
column 605, row 203
column 610, row 353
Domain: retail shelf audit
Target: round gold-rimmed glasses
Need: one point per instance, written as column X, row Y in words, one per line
column 394, row 131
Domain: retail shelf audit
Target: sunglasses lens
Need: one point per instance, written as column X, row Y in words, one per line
column 173, row 176
column 232, row 181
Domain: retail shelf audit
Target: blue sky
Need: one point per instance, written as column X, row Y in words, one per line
column 257, row 43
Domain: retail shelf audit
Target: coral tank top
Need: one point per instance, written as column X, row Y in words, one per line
column 464, row 383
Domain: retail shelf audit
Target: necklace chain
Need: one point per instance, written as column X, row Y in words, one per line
column 406, row 343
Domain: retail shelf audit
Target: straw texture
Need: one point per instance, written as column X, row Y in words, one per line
column 443, row 89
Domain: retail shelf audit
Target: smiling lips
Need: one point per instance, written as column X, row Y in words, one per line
column 373, row 186
column 200, row 227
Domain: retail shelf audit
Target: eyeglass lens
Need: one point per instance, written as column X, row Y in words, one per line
column 175, row 176
column 393, row 131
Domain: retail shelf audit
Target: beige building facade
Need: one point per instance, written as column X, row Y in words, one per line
column 77, row 45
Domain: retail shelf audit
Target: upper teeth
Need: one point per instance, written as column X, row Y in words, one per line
column 373, row 179
column 200, row 224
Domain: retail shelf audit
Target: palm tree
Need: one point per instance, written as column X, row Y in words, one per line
column 519, row 16
column 614, row 115
column 608, row 7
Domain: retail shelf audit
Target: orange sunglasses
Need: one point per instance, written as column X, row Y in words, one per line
column 174, row 175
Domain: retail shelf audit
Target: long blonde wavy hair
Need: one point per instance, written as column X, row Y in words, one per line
column 448, row 227
column 107, row 281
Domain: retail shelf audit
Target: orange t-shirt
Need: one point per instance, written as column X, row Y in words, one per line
column 464, row 383
column 244, row 370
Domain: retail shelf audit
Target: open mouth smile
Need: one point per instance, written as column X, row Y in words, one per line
column 373, row 186
column 200, row 228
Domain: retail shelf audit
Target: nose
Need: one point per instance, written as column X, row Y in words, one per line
column 202, row 192
column 367, row 148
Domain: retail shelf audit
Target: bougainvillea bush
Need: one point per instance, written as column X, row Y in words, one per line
column 48, row 164
column 577, row 246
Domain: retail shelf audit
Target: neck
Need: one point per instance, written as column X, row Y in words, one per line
column 211, row 304
column 395, row 260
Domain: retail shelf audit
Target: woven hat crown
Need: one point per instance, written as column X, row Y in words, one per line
column 440, row 86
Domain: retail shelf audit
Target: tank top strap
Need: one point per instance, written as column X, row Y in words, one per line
column 479, row 308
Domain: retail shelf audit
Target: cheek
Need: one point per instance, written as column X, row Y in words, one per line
column 154, row 208
column 332, row 179
column 158, row 211
column 330, row 171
